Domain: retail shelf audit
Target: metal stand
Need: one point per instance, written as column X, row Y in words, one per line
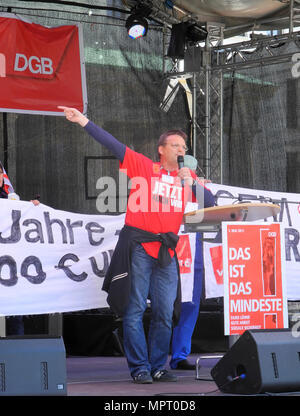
column 2, row 326
column 198, row 363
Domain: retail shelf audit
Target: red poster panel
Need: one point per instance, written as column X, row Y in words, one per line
column 254, row 279
column 40, row 67
column 216, row 255
column 184, row 254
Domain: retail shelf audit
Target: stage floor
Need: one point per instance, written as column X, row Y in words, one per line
column 108, row 377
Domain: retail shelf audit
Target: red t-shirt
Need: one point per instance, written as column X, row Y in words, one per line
column 157, row 199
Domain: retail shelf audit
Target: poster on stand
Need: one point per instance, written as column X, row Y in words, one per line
column 254, row 277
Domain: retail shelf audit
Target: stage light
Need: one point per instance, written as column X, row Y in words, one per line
column 137, row 26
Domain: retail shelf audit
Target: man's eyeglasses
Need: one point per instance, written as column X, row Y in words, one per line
column 177, row 146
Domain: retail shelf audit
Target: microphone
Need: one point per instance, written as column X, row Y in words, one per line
column 180, row 162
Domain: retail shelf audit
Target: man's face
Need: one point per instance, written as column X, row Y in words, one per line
column 174, row 147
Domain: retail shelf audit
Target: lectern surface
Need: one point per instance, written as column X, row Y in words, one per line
column 236, row 212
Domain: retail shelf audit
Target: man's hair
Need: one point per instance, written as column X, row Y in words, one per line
column 163, row 138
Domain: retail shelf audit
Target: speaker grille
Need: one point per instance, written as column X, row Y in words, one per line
column 275, row 366
column 44, row 375
column 2, row 377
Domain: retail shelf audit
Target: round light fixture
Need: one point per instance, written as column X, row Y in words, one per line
column 137, row 26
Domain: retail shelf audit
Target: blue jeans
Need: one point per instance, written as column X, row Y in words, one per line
column 149, row 280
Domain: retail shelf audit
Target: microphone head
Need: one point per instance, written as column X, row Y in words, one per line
column 180, row 162
column 180, row 159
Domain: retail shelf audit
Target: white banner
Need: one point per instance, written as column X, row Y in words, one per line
column 289, row 217
column 55, row 261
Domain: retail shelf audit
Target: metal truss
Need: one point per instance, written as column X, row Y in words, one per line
column 208, row 136
column 294, row 14
column 207, row 117
column 259, row 51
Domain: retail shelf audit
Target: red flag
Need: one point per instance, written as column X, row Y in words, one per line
column 40, row 67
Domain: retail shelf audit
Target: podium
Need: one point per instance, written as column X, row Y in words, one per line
column 210, row 219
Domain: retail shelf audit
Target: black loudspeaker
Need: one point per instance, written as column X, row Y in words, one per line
column 260, row 361
column 177, row 41
column 32, row 366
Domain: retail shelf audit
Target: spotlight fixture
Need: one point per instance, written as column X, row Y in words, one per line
column 137, row 23
column 137, row 26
